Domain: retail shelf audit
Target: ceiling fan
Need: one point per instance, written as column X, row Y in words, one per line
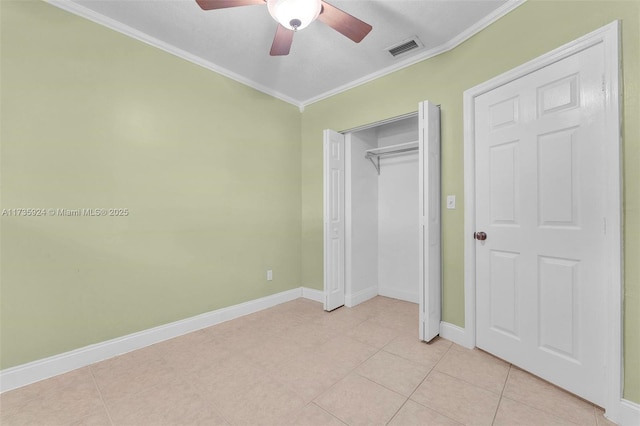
column 294, row 15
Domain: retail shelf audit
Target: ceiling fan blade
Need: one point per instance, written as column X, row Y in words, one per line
column 282, row 41
column 344, row 23
column 222, row 4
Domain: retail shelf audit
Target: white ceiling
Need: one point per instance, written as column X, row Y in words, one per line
column 235, row 42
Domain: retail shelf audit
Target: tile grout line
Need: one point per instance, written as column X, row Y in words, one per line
column 162, row 355
column 407, row 359
column 423, row 380
column 416, row 388
column 437, row 412
column 366, row 378
column 353, row 370
column 347, row 374
column 328, row 412
column 403, row 359
column 468, row 383
column 501, row 394
column 313, row 401
column 397, row 411
column 432, row 369
column 540, row 408
column 104, row 404
column 381, row 349
column 595, row 415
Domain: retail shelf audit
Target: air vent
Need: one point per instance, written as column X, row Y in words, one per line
column 405, row 46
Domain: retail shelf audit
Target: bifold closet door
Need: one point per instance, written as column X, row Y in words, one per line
column 429, row 230
column 334, row 221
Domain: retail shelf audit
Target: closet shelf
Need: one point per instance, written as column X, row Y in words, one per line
column 376, row 153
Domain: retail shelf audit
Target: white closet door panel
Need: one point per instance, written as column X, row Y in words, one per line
column 429, row 238
column 334, row 222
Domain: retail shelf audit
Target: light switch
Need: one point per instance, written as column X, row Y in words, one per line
column 451, row 201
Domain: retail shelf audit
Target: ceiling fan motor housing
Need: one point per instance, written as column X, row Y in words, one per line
column 294, row 14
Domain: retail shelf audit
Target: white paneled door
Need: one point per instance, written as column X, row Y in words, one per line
column 334, row 223
column 540, row 222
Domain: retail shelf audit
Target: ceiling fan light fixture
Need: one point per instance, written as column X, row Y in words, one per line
column 294, row 14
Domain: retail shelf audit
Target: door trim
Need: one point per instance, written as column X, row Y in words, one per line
column 609, row 37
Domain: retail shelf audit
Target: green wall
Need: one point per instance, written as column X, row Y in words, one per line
column 208, row 168
column 530, row 31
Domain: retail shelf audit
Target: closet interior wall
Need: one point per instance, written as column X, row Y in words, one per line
column 382, row 211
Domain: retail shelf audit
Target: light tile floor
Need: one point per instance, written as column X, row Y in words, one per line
column 295, row 364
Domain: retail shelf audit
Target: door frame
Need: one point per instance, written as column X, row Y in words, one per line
column 351, row 298
column 430, row 225
column 609, row 37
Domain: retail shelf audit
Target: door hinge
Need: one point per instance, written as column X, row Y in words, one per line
column 604, row 84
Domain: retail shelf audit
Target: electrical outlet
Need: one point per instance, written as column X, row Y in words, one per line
column 269, row 275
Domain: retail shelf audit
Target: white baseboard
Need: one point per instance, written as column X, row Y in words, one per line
column 362, row 296
column 398, row 294
column 624, row 413
column 313, row 294
column 22, row 375
column 455, row 333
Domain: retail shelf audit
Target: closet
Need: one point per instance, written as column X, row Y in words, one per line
column 382, row 214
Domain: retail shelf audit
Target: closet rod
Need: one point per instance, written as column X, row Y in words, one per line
column 395, row 149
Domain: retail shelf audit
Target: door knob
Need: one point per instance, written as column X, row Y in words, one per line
column 481, row 236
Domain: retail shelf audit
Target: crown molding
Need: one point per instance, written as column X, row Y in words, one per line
column 118, row 26
column 98, row 18
column 451, row 44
